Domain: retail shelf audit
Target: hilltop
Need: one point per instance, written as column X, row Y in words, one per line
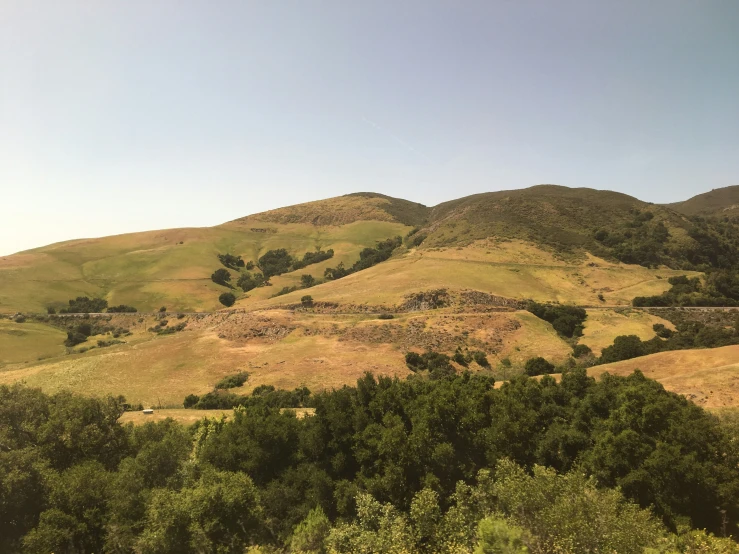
column 723, row 201
column 538, row 243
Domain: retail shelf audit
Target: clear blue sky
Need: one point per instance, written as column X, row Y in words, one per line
column 129, row 115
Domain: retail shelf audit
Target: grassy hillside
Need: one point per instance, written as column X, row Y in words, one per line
column 512, row 269
column 171, row 267
column 708, row 377
column 546, row 242
column 722, row 201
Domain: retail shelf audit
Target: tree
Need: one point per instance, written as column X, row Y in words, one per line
column 497, row 536
column 538, row 366
column 307, row 301
column 190, row 400
column 624, row 347
column 221, row 277
column 219, row 512
column 227, row 299
column 163, row 309
column 275, row 262
column 307, row 281
column 310, row 534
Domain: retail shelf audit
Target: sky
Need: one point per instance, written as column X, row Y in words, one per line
column 130, row 115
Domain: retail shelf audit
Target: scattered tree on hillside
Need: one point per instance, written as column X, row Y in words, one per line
column 230, row 261
column 122, row 309
column 275, row 262
column 538, row 366
column 85, row 305
column 221, row 277
column 227, row 299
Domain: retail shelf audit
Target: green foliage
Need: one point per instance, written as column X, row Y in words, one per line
column 538, row 366
column 497, row 536
column 577, row 463
column 367, row 258
column 221, row 277
column 721, row 289
column 307, row 301
column 312, row 258
column 232, row 381
column 123, row 309
column 566, row 320
column 580, row 350
column 191, row 400
column 230, row 261
column 218, row 512
column 307, row 281
column 569, row 513
column 85, row 305
column 310, row 534
column 163, row 309
column 275, row 262
column 247, row 281
column 228, row 299
column 436, row 363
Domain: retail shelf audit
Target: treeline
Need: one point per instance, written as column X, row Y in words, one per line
column 442, row 466
column 568, row 321
column 85, row 305
column 721, row 288
column 645, row 240
column 367, row 258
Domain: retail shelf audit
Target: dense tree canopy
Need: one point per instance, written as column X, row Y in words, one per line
column 445, row 465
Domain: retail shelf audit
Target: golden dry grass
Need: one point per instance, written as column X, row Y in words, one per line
column 602, row 326
column 512, row 269
column 708, row 377
column 27, row 342
column 188, row 417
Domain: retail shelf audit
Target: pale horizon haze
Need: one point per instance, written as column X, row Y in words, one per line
column 124, row 116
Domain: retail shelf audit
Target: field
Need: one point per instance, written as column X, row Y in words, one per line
column 188, row 417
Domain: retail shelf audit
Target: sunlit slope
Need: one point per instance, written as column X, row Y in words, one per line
column 512, row 269
column 171, row 267
column 708, row 376
column 22, row 343
column 603, row 326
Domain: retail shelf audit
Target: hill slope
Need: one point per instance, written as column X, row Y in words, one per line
column 546, row 242
column 722, row 201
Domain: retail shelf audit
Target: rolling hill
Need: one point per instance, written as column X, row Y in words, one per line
column 456, row 281
column 722, row 201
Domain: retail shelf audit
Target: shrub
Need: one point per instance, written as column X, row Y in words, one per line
column 85, row 305
column 74, row 338
column 233, row 381
column 190, row 400
column 482, row 360
column 385, row 316
column 163, row 309
column 624, row 347
column 122, row 309
column 581, row 350
column 275, row 262
column 221, row 277
column 538, row 366
column 307, row 281
column 227, row 299
column 307, row 301
column 566, row 320
column 50, row 310
column 662, row 331
column 230, row 261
